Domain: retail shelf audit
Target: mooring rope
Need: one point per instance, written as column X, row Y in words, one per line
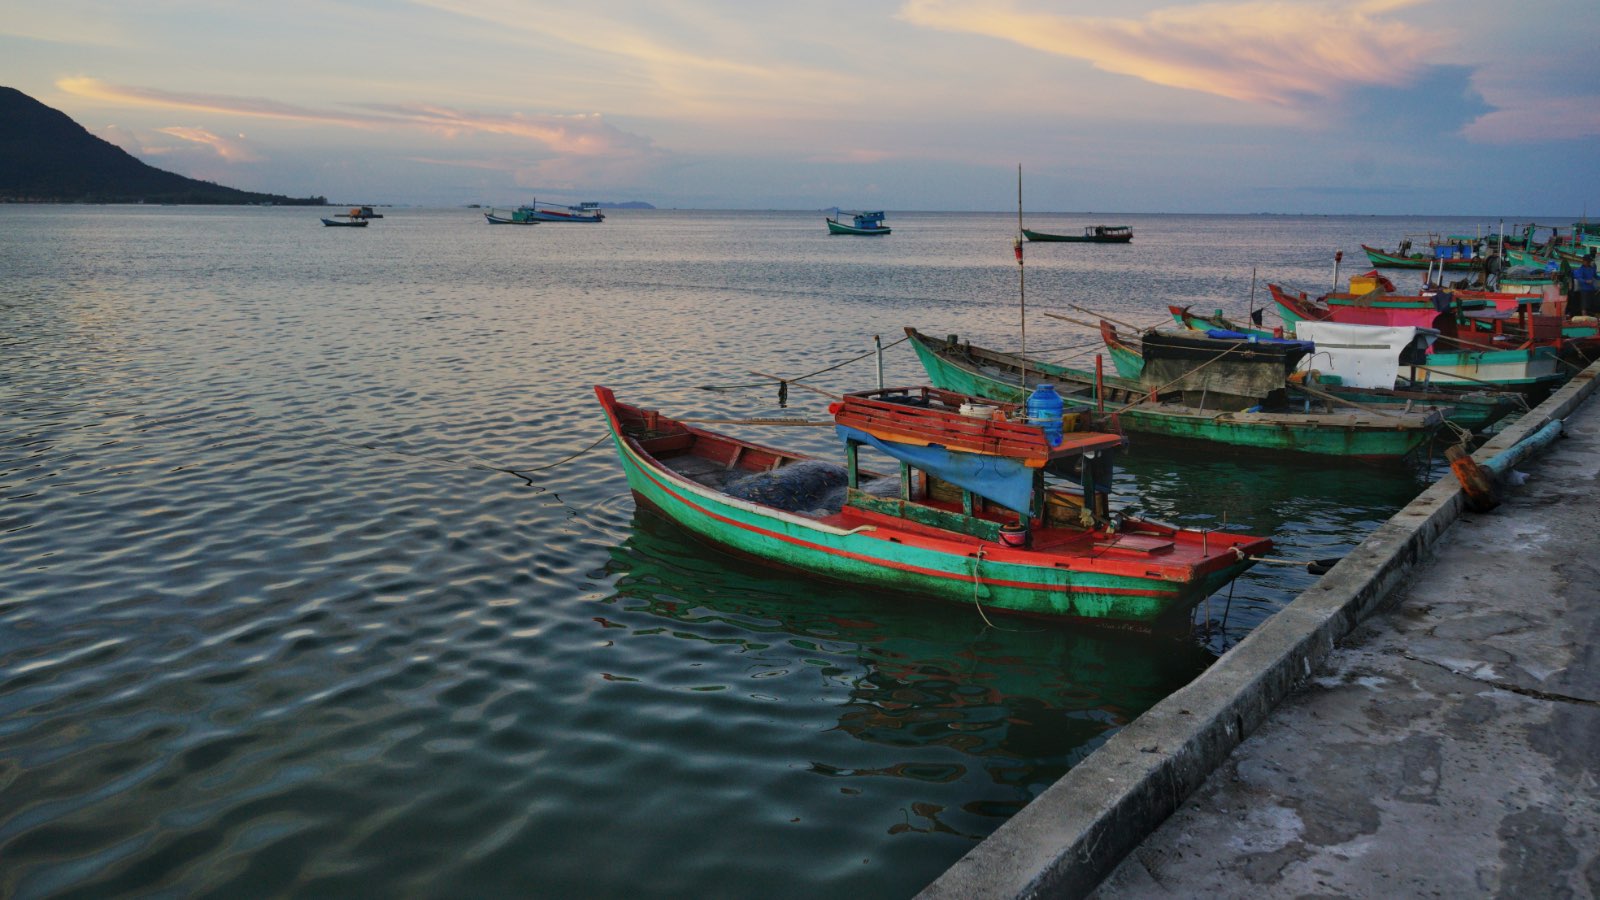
column 788, row 381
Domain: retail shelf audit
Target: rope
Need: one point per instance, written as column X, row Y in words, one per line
column 758, row 421
column 478, row 464
column 977, row 561
column 733, row 387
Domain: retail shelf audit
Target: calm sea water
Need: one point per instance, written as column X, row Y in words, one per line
column 274, row 618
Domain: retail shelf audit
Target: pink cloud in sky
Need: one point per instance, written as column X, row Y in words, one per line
column 230, row 149
column 1267, row 51
column 124, row 95
column 584, row 135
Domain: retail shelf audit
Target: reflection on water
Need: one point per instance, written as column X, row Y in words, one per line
column 275, row 619
column 966, row 722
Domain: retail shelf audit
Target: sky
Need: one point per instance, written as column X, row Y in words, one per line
column 1383, row 107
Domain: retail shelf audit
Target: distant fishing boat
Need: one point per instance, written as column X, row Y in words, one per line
column 345, row 223
column 970, row 519
column 1310, row 426
column 861, row 223
column 359, row 212
column 521, row 216
column 1092, row 234
column 531, row 213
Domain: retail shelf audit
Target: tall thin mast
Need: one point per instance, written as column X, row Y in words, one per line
column 1022, row 285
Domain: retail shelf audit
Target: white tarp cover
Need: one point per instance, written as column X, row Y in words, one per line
column 1362, row 355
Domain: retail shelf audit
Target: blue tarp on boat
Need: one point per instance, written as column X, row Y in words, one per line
column 1005, row 481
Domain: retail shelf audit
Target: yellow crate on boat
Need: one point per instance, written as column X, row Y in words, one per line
column 1363, row 284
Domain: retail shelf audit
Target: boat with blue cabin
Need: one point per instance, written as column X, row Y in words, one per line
column 861, row 223
column 965, row 514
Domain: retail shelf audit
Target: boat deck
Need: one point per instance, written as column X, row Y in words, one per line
column 830, row 510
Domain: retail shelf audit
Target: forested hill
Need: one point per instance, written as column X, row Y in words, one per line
column 45, row 157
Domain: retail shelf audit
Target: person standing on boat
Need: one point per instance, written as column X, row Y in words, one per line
column 1582, row 300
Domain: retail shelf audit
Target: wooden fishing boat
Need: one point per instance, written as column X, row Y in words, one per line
column 1375, row 308
column 1468, row 407
column 359, row 212
column 1092, row 234
column 1386, row 260
column 535, row 212
column 860, row 223
column 346, row 223
column 520, row 216
column 1506, row 362
column 1311, row 427
column 970, row 519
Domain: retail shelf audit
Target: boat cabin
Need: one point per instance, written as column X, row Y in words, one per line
column 868, row 219
column 1109, row 232
column 974, row 466
column 1222, row 370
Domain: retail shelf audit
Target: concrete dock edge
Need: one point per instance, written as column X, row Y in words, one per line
column 1073, row 834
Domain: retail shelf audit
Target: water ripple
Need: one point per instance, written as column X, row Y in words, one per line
column 313, row 588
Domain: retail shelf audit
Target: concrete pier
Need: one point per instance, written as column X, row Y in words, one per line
column 1439, row 733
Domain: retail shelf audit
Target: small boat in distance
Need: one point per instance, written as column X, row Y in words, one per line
column 520, row 216
column 967, row 518
column 862, row 223
column 531, row 213
column 584, row 212
column 359, row 212
column 1092, row 234
column 345, row 223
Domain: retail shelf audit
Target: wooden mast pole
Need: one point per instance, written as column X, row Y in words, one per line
column 1022, row 292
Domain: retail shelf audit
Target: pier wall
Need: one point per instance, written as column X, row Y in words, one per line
column 1065, row 841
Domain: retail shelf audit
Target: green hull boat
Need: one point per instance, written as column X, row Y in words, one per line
column 932, row 540
column 962, row 367
column 1385, row 260
column 861, row 223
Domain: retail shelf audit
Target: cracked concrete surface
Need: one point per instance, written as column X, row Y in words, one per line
column 1448, row 747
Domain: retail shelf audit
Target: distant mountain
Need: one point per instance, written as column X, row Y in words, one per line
column 631, row 204
column 45, row 157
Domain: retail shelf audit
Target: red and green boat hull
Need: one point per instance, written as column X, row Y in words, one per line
column 1136, row 594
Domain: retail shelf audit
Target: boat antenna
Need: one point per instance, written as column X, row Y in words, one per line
column 1022, row 292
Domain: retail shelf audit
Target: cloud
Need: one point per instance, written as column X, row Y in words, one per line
column 124, row 95
column 672, row 55
column 584, row 136
column 1269, row 52
column 1538, row 119
column 230, row 149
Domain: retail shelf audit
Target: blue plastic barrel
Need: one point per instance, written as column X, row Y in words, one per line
column 1045, row 408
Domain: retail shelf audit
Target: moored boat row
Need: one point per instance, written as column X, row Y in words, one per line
column 997, row 485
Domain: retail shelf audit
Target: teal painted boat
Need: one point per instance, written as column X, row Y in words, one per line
column 1386, row 260
column 957, row 540
column 1314, row 429
column 1092, row 234
column 1469, row 408
column 863, row 223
